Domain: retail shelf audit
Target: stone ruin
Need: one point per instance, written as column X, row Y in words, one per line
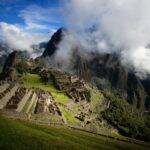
column 71, row 85
column 16, row 98
column 14, row 101
column 46, row 104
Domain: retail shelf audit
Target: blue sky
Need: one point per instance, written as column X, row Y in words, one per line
column 11, row 12
column 27, row 22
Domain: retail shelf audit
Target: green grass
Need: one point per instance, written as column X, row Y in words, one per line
column 96, row 98
column 20, row 135
column 69, row 115
column 34, row 80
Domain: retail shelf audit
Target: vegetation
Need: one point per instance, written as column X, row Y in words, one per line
column 22, row 67
column 96, row 99
column 88, row 95
column 69, row 116
column 129, row 120
column 34, row 81
column 20, row 135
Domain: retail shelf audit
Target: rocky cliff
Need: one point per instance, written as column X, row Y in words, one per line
column 53, row 42
column 8, row 69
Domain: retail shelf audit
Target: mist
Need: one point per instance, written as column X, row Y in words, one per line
column 18, row 38
column 112, row 26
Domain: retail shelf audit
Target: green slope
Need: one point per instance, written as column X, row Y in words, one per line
column 19, row 135
column 34, row 80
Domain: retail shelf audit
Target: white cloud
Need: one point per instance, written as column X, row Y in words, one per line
column 18, row 38
column 120, row 25
column 36, row 17
column 37, row 28
column 140, row 58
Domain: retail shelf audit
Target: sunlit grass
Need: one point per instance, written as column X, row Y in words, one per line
column 34, row 81
column 69, row 115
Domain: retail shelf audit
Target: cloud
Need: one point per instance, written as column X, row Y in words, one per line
column 20, row 39
column 121, row 26
column 36, row 17
column 140, row 58
column 39, row 25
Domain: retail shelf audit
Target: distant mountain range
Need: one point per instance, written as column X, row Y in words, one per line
column 5, row 50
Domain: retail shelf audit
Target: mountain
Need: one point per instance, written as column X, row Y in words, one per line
column 125, row 83
column 4, row 51
column 106, row 72
column 53, row 42
column 8, row 69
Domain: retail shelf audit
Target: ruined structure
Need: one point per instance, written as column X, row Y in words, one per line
column 46, row 103
column 72, row 85
column 19, row 99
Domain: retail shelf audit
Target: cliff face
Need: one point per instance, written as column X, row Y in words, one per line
column 106, row 70
column 54, row 41
column 108, row 67
column 16, row 63
column 9, row 67
column 146, row 85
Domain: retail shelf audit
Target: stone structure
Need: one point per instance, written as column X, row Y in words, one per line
column 46, row 104
column 72, row 85
column 9, row 93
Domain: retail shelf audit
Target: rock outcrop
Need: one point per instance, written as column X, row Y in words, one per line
column 54, row 41
column 71, row 85
column 125, row 83
column 8, row 71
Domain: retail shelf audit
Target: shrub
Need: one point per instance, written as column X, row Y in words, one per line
column 88, row 95
column 22, row 67
column 129, row 120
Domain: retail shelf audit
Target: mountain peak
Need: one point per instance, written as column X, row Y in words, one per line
column 53, row 42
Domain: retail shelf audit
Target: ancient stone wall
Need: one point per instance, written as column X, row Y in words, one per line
column 72, row 85
column 8, row 96
column 24, row 100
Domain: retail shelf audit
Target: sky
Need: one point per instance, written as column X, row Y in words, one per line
column 26, row 22
column 15, row 12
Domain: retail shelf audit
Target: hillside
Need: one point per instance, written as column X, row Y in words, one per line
column 15, row 134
